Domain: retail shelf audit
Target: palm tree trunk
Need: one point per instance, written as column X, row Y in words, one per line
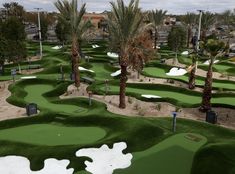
column 122, row 93
column 189, row 35
column 1, row 67
column 192, row 75
column 75, row 62
column 155, row 39
column 207, row 93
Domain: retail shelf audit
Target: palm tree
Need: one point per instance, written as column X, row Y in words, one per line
column 215, row 48
column 156, row 18
column 70, row 15
column 208, row 19
column 189, row 19
column 124, row 24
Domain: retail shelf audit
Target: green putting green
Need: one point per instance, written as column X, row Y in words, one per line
column 52, row 135
column 161, row 73
column 181, row 98
column 100, row 72
column 173, row 155
column 35, row 95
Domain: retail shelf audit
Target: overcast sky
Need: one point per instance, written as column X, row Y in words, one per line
column 172, row 6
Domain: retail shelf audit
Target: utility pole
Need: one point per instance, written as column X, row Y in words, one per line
column 39, row 31
column 199, row 34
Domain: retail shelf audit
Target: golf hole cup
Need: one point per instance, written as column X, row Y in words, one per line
column 174, row 114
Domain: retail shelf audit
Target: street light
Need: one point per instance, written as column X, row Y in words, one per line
column 39, row 31
column 198, row 35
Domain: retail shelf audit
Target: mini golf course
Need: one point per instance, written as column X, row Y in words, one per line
column 35, row 95
column 64, row 126
column 55, row 134
column 168, row 152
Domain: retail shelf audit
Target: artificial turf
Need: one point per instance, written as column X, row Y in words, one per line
column 175, row 152
column 182, row 98
column 160, row 72
column 150, row 140
column 35, row 95
column 52, row 134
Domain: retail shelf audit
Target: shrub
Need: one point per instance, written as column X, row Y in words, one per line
column 142, row 112
column 130, row 100
column 158, row 106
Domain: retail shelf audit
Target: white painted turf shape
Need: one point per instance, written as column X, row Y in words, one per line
column 104, row 161
column 84, row 69
column 57, row 47
column 116, row 73
column 95, row 46
column 114, row 55
column 150, row 96
column 21, row 165
column 28, row 77
column 185, row 53
column 176, row 72
column 208, row 62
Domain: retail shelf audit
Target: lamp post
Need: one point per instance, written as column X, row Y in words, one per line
column 198, row 35
column 39, row 31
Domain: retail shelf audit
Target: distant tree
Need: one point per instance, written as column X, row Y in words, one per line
column 14, row 9
column 208, row 19
column 12, row 41
column 13, row 29
column 61, row 31
column 44, row 26
column 156, row 18
column 189, row 20
column 176, row 39
column 3, row 52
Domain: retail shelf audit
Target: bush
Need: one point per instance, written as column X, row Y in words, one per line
column 158, row 106
column 142, row 112
column 130, row 100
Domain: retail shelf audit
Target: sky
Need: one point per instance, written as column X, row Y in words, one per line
column 172, row 6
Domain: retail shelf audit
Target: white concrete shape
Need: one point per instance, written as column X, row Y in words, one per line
column 150, row 96
column 116, row 73
column 114, row 55
column 185, row 53
column 84, row 69
column 176, row 72
column 208, row 62
column 95, row 46
column 21, row 165
column 57, row 47
column 28, row 77
column 106, row 160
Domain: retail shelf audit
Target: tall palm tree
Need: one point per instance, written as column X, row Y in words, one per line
column 208, row 19
column 70, row 15
column 156, row 18
column 215, row 48
column 189, row 19
column 124, row 24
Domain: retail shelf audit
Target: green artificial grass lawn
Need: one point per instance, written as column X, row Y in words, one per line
column 35, row 93
column 173, row 155
column 100, row 72
column 145, row 137
column 183, row 99
column 161, row 73
column 52, row 135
